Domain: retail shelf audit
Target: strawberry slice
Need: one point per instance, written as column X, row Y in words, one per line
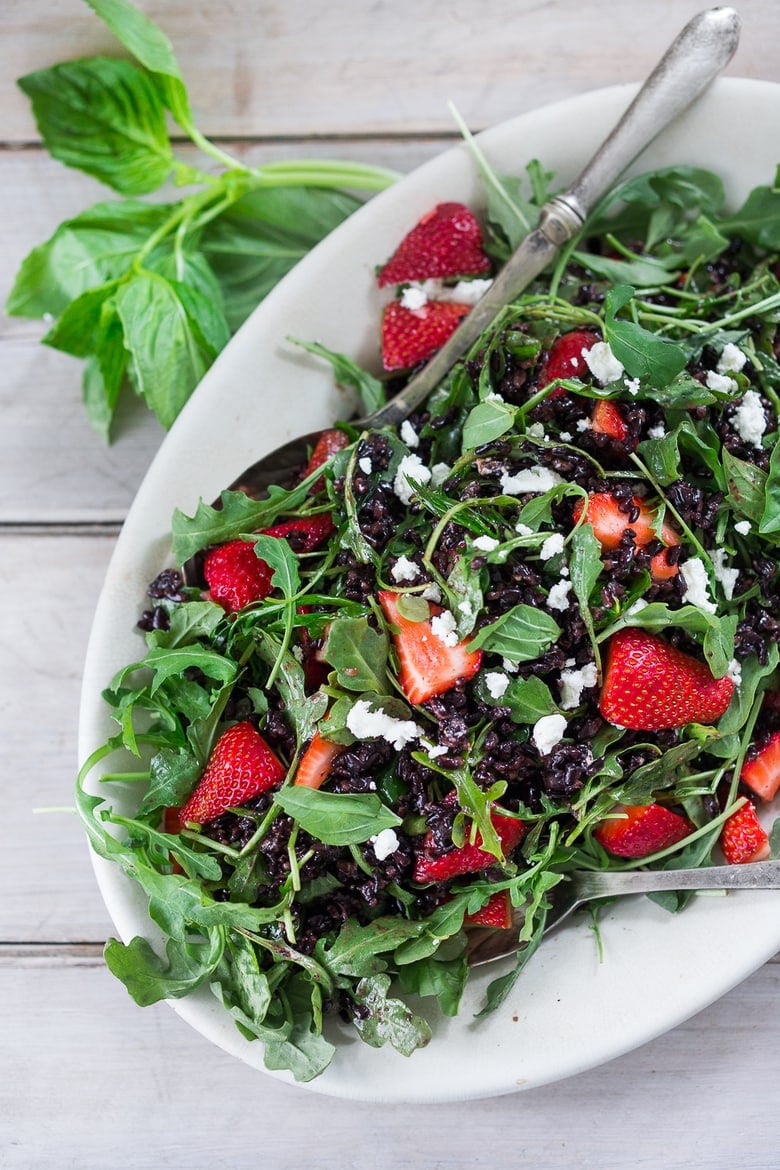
column 564, row 358
column 610, row 524
column 650, row 685
column 468, row 858
column 307, row 532
column 314, row 767
column 762, row 773
column 496, row 912
column 235, row 575
column 607, row 419
column 240, row 767
column 328, row 444
column 447, row 241
column 410, row 336
column 427, row 665
column 641, row 830
column 743, row 839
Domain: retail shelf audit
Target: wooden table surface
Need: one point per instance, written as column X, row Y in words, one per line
column 87, row 1079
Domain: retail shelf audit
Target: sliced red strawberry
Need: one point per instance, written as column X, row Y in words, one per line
column 410, row 336
column 447, row 241
column 241, row 766
column 235, row 576
column 607, row 419
column 305, row 533
column 427, row 665
column 467, row 858
column 564, row 358
column 743, row 838
column 328, row 444
column 761, row 774
column 642, row 829
column 610, row 524
column 496, row 912
column 314, row 768
column 650, row 685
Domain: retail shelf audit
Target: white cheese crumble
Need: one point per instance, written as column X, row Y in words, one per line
column 439, row 473
column 523, row 530
column 742, row 527
column 434, row 750
column 444, row 627
column 583, row 424
column 749, row 419
column 414, row 298
column 731, row 360
column 385, row 843
column 485, row 543
column 367, row 724
column 720, row 383
column 734, row 672
column 409, row 434
column 493, row 397
column 405, row 570
column 574, row 682
column 558, row 597
column 547, row 732
column 726, row 576
column 656, row 432
column 697, row 583
column 496, row 683
column 411, row 472
column 530, row 479
column 602, row 363
column 466, row 608
column 365, row 465
column 432, row 592
column 565, row 437
column 509, row 666
column 552, row 546
column 632, row 385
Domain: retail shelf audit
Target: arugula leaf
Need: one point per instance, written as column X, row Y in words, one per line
column 769, row 523
column 174, row 773
column 758, row 219
column 236, row 513
column 747, row 487
column 358, row 654
column 337, row 818
column 348, row 373
column 521, row 634
column 443, row 978
column 644, row 354
column 104, row 117
column 388, row 1019
column 149, row 979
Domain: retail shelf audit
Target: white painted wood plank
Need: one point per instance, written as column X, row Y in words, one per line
column 88, row 1080
column 258, row 67
column 48, row 587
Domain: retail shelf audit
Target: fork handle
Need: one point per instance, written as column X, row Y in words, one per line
column 758, row 875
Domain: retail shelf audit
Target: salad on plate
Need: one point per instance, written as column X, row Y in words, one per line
column 532, row 630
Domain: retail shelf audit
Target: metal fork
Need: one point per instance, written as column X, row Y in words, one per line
column 583, row 886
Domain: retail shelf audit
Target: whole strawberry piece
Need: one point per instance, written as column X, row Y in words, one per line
column 410, row 336
column 743, row 838
column 447, row 241
column 642, row 829
column 650, row 685
column 241, row 766
column 467, row 858
column 235, row 576
column 565, row 358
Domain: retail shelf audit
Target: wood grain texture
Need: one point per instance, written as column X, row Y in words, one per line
column 88, row 1081
column 257, row 68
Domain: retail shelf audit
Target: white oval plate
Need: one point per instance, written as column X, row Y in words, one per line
column 569, row 1011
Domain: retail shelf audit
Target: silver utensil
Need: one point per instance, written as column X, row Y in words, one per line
column 488, row 943
column 696, row 56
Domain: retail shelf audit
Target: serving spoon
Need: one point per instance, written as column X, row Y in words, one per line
column 693, row 60
column 488, row 943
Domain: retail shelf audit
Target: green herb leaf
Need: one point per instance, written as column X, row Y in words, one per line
column 349, row 373
column 358, row 654
column 149, row 979
column 487, row 421
column 103, row 117
column 645, row 355
column 237, row 513
column 337, row 818
column 747, row 487
column 521, row 634
column 388, row 1019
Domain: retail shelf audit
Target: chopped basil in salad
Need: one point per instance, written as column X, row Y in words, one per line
column 533, row 630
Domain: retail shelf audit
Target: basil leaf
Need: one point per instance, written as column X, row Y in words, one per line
column 644, row 354
column 104, row 117
column 520, row 635
column 770, row 518
column 528, row 699
column 94, row 248
column 443, row 978
column 487, row 421
column 758, row 220
column 358, row 653
column 337, row 818
column 167, row 346
column 644, row 272
column 585, row 566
